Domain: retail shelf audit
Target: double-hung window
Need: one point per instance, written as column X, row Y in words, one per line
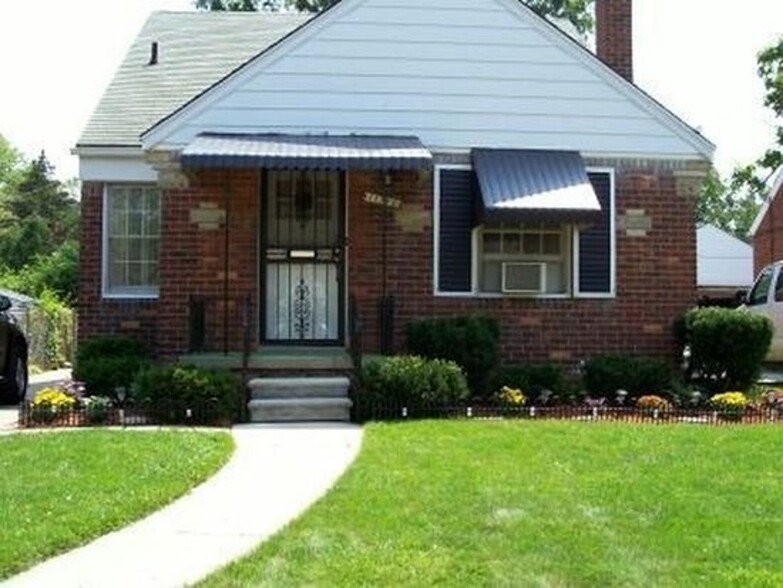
column 131, row 244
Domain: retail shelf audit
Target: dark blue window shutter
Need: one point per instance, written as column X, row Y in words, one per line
column 454, row 238
column 595, row 243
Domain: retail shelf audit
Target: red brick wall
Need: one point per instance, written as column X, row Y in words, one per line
column 656, row 274
column 768, row 240
column 656, row 277
column 193, row 263
column 614, row 35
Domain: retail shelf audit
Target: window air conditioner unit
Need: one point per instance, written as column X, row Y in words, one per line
column 524, row 278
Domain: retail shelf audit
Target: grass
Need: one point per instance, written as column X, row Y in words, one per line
column 498, row 503
column 59, row 490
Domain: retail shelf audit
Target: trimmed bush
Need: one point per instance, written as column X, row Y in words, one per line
column 472, row 342
column 606, row 374
column 727, row 346
column 105, row 364
column 408, row 380
column 187, row 394
column 531, row 378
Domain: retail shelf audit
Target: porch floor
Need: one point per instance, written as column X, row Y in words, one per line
column 276, row 357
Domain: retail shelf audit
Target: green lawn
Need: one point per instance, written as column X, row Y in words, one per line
column 540, row 504
column 59, row 490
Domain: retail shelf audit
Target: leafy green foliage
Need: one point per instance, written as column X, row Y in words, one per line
column 188, row 394
column 531, row 378
column 57, row 273
column 48, row 331
column 411, row 381
column 577, row 12
column 106, row 364
column 61, row 490
column 471, row 341
column 727, row 207
column 606, row 374
column 494, row 503
column 727, row 346
column 39, row 220
column 770, row 64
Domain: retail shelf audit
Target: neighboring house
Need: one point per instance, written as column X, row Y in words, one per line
column 285, row 179
column 724, row 266
column 767, row 229
column 21, row 303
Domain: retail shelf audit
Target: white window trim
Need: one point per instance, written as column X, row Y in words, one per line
column 612, row 245
column 475, row 257
column 152, row 293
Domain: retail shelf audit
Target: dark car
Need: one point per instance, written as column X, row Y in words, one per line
column 13, row 356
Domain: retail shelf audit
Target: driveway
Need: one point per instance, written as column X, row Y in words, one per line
column 8, row 416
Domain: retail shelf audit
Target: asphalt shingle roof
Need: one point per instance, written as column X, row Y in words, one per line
column 195, row 50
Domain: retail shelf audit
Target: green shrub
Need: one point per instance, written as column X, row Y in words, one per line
column 531, row 378
column 727, row 346
column 606, row 374
column 187, row 394
column 408, row 380
column 106, row 364
column 97, row 409
column 472, row 342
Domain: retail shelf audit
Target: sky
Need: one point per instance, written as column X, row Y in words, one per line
column 697, row 57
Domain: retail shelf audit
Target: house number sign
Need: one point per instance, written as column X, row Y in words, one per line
column 372, row 198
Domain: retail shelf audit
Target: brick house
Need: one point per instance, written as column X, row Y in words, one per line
column 274, row 180
column 767, row 229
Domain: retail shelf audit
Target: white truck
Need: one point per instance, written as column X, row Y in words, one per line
column 766, row 298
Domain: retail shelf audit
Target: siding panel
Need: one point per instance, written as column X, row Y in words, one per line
column 478, row 73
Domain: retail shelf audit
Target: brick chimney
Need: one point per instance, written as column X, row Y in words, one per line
column 614, row 35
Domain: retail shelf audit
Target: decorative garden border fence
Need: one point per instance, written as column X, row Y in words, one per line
column 376, row 411
column 83, row 416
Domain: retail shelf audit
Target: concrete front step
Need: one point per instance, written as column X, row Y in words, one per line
column 275, row 410
column 299, row 387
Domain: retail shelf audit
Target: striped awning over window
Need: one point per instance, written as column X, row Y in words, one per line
column 519, row 185
column 306, row 152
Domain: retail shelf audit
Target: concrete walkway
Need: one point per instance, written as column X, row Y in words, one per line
column 277, row 471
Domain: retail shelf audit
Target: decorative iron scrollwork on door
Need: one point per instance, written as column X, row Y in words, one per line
column 303, row 310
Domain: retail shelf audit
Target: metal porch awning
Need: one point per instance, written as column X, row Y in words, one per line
column 269, row 151
column 521, row 185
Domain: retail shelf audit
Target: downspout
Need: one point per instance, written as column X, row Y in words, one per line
column 386, row 306
column 226, row 264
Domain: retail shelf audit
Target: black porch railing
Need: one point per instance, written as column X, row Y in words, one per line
column 218, row 324
column 354, row 333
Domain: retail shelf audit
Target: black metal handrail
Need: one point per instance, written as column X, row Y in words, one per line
column 217, row 323
column 355, row 333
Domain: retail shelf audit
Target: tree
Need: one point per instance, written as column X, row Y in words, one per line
column 577, row 12
column 726, row 208
column 733, row 205
column 39, row 196
column 39, row 219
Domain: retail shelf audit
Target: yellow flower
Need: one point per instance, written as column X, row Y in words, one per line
column 729, row 400
column 53, row 399
column 511, row 396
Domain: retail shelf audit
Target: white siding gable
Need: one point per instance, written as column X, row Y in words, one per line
column 456, row 73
